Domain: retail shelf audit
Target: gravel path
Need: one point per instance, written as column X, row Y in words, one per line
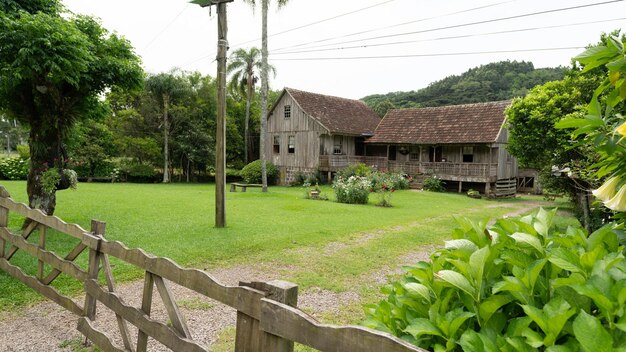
column 47, row 327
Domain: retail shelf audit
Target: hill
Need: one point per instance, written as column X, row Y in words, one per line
column 495, row 81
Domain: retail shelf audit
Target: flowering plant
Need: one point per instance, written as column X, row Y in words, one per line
column 383, row 185
column 353, row 190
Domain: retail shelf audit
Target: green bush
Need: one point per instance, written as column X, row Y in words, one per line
column 358, row 169
column 353, row 190
column 14, row 168
column 23, row 150
column 251, row 173
column 434, row 184
column 521, row 285
column 135, row 172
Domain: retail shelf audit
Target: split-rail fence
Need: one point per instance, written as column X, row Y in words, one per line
column 267, row 317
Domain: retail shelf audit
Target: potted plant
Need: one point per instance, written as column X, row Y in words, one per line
column 57, row 179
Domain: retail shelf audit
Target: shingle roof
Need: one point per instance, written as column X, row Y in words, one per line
column 468, row 123
column 338, row 115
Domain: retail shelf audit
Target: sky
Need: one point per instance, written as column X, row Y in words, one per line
column 354, row 48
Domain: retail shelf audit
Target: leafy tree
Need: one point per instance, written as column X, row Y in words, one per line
column 264, row 80
column 91, row 148
column 166, row 88
column 491, row 82
column 243, row 67
column 53, row 68
column 382, row 107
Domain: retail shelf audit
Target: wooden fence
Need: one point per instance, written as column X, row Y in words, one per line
column 267, row 317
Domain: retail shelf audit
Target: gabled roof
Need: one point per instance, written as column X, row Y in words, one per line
column 456, row 124
column 337, row 115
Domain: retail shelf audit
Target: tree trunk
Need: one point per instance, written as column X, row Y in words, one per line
column 264, row 89
column 166, row 134
column 247, row 122
column 44, row 150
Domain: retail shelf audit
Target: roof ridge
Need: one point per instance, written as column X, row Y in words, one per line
column 456, row 105
column 324, row 95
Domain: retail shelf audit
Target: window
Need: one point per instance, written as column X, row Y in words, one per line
column 468, row 154
column 414, row 153
column 291, row 147
column 276, row 144
column 337, row 144
column 287, row 112
column 435, row 154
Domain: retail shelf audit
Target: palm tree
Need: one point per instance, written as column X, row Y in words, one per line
column 244, row 66
column 264, row 79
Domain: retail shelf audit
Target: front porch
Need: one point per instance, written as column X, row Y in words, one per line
column 466, row 172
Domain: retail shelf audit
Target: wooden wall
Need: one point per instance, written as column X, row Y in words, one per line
column 305, row 130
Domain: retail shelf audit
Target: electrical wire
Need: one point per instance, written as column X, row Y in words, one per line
column 429, row 55
column 399, row 24
column 166, row 27
column 316, row 49
column 476, row 22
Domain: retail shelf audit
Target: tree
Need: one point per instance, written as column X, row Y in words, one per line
column 244, row 66
column 264, row 81
column 537, row 143
column 53, row 68
column 166, row 88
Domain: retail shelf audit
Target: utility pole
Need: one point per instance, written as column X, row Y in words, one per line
column 220, row 140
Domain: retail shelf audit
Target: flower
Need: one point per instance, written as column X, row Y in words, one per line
column 621, row 129
column 618, row 202
column 607, row 190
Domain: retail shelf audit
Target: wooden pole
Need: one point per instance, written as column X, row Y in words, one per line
column 220, row 140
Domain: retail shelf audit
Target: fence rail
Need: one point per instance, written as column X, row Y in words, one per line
column 267, row 317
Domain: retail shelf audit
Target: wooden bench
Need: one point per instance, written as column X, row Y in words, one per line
column 243, row 186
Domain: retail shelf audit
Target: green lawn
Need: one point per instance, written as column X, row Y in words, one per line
column 279, row 228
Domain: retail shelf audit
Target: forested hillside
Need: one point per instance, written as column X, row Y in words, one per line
column 491, row 82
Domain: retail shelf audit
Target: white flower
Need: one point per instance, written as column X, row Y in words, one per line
column 618, row 202
column 607, row 190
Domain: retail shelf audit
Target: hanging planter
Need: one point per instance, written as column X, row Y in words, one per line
column 58, row 179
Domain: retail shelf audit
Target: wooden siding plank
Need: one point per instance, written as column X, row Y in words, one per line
column 159, row 331
column 243, row 299
column 45, row 290
column 293, row 324
column 99, row 338
column 48, row 257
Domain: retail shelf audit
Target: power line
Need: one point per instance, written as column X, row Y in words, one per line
column 398, row 25
column 429, row 55
column 476, row 22
column 349, row 13
column 316, row 49
column 317, row 22
column 166, row 27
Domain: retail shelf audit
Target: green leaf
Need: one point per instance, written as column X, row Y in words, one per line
column 538, row 316
column 417, row 290
column 458, row 319
column 491, row 305
column 591, row 334
column 422, row 326
column 530, row 240
column 571, row 123
column 463, row 244
column 477, row 263
column 566, row 260
column 471, row 341
column 457, row 280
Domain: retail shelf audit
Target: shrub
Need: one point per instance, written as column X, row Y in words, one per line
column 14, row 168
column 434, row 184
column 135, row 172
column 399, row 181
column 353, row 190
column 521, row 285
column 23, row 150
column 383, row 184
column 358, row 169
column 251, row 173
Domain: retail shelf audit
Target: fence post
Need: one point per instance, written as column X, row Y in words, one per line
column 249, row 336
column 4, row 218
column 97, row 228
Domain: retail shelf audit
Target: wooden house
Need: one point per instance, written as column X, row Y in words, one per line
column 464, row 145
column 307, row 132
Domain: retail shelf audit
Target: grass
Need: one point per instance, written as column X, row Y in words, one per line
column 279, row 229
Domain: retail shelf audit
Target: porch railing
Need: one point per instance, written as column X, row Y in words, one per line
column 338, row 162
